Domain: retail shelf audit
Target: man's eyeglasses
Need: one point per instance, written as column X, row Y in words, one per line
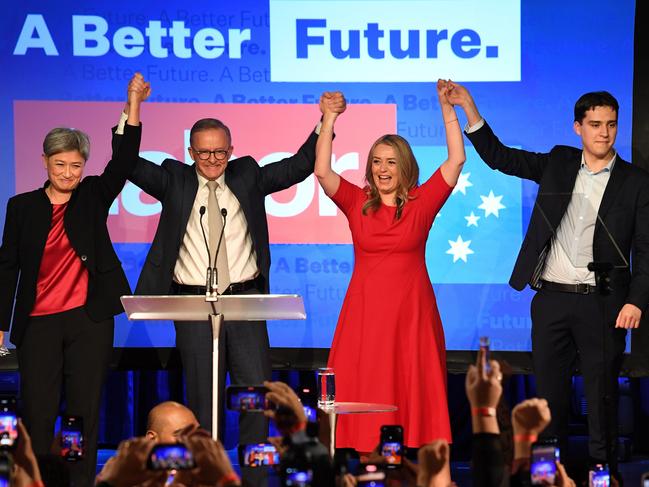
column 204, row 155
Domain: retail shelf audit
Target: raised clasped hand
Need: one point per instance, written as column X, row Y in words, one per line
column 138, row 89
column 332, row 102
column 442, row 90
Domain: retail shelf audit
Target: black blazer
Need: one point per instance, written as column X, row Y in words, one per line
column 175, row 185
column 27, row 225
column 624, row 211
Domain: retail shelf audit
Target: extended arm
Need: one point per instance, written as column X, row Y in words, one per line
column 638, row 295
column 515, row 162
column 452, row 166
column 483, row 390
column 148, row 176
column 529, row 419
column 125, row 154
column 327, row 178
column 287, row 172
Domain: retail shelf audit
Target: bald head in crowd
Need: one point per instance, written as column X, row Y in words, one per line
column 167, row 420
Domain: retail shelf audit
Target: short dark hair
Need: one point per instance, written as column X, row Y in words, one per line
column 592, row 100
column 209, row 124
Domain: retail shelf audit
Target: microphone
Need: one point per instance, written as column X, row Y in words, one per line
column 208, row 274
column 224, row 214
column 215, row 275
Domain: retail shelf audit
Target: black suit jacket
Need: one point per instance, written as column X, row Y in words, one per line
column 27, row 225
column 175, row 185
column 624, row 212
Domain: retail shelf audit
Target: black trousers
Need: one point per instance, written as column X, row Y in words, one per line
column 569, row 327
column 64, row 349
column 245, row 354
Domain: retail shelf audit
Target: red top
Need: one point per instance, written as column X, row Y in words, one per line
column 62, row 278
column 389, row 343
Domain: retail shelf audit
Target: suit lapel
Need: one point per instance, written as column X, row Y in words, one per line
column 612, row 191
column 236, row 185
column 190, row 187
column 613, row 187
column 41, row 220
column 553, row 200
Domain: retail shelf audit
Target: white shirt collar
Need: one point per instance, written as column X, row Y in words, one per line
column 607, row 168
column 202, row 180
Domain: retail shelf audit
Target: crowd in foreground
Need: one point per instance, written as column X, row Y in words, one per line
column 299, row 452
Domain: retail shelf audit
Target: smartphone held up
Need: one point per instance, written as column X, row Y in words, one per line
column 72, row 438
column 247, row 398
column 391, row 446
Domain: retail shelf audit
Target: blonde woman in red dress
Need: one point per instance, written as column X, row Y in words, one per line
column 389, row 342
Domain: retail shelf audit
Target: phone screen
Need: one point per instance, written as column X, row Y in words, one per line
column 247, row 398
column 391, row 447
column 484, row 346
column 599, row 476
column 296, row 477
column 309, row 400
column 258, row 455
column 543, row 470
column 168, row 456
column 8, row 429
column 72, row 438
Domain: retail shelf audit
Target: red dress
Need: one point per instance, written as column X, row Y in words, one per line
column 389, row 343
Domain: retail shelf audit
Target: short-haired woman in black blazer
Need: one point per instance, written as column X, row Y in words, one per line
column 57, row 262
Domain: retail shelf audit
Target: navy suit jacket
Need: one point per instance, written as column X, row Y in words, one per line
column 175, row 184
column 622, row 226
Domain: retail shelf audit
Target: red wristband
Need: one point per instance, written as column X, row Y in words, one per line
column 228, row 478
column 37, row 483
column 301, row 426
column 483, row 412
column 525, row 438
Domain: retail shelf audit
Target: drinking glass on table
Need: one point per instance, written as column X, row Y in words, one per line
column 325, row 379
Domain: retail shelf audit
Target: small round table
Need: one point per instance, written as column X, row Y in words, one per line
column 351, row 408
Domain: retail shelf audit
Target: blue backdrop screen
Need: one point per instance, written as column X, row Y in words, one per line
column 525, row 62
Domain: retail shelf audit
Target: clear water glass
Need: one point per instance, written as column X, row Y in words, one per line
column 326, row 381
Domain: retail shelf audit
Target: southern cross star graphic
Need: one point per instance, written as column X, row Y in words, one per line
column 491, row 204
column 462, row 183
column 472, row 220
column 459, row 249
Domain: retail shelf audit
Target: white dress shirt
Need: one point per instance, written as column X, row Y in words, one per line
column 571, row 249
column 191, row 264
column 192, row 261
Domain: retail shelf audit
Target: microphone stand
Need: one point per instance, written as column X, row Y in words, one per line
column 215, row 317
